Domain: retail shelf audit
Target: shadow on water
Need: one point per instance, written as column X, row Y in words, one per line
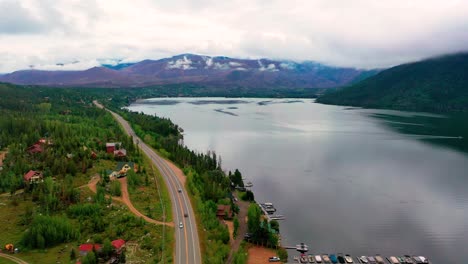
column 449, row 130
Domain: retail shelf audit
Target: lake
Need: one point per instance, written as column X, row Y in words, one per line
column 348, row 180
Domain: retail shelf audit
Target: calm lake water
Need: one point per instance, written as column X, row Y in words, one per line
column 348, row 180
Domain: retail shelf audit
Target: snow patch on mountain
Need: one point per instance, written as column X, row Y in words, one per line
column 235, row 64
column 208, row 62
column 287, row 65
column 271, row 67
column 183, row 64
column 221, row 66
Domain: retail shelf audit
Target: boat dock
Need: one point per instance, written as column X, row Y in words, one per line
column 268, row 210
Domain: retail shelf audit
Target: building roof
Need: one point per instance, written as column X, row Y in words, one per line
column 30, row 174
column 223, row 209
column 112, row 144
column 36, row 148
column 89, row 247
column 120, row 165
column 120, row 152
column 117, row 244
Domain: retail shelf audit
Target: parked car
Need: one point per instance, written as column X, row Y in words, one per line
column 274, row 259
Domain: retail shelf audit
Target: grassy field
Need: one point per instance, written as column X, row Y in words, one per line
column 6, row 261
column 145, row 239
column 146, row 199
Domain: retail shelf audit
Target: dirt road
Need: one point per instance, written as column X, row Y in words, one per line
column 125, row 199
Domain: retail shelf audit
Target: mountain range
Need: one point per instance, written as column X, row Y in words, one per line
column 197, row 69
column 436, row 85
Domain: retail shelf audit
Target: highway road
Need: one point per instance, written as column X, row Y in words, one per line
column 187, row 244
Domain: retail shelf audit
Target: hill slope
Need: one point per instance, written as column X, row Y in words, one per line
column 217, row 72
column 438, row 84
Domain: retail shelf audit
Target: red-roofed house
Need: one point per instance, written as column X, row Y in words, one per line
column 85, row 248
column 36, row 148
column 120, row 153
column 112, row 146
column 33, row 176
column 119, row 245
column 44, row 141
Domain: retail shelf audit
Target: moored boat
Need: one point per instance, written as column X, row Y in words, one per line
column 348, row 259
column 408, row 259
column 318, row 258
column 333, row 258
column 341, row 258
column 393, row 260
column 311, row 259
column 379, row 259
column 325, row 258
column 363, row 259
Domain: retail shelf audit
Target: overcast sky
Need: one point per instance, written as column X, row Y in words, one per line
column 356, row 33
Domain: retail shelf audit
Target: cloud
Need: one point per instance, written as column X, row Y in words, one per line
column 16, row 19
column 358, row 33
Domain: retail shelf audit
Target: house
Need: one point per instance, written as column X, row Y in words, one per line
column 120, row 153
column 38, row 147
column 86, row 248
column 35, row 148
column 93, row 155
column 44, row 141
column 119, row 245
column 112, row 146
column 112, row 174
column 124, row 167
column 33, row 176
column 223, row 210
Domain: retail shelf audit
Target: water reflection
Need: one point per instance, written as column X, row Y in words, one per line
column 356, row 181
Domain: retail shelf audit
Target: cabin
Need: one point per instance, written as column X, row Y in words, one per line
column 38, row 147
column 120, row 153
column 35, row 148
column 223, row 211
column 33, row 177
column 111, row 147
column 44, row 141
column 119, row 245
column 86, row 248
column 123, row 167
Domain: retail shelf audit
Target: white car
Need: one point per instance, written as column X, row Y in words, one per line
column 180, row 190
column 274, row 259
column 181, row 225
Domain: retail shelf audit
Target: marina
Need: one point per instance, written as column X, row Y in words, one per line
column 376, row 259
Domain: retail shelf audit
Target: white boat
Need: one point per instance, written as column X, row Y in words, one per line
column 393, row 260
column 348, row 259
column 318, row 258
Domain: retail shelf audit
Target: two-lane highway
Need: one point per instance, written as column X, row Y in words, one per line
column 187, row 250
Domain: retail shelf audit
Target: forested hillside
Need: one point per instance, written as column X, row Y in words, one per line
column 436, row 85
column 54, row 143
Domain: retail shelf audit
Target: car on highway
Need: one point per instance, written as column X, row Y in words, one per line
column 180, row 190
column 181, row 225
column 185, row 215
